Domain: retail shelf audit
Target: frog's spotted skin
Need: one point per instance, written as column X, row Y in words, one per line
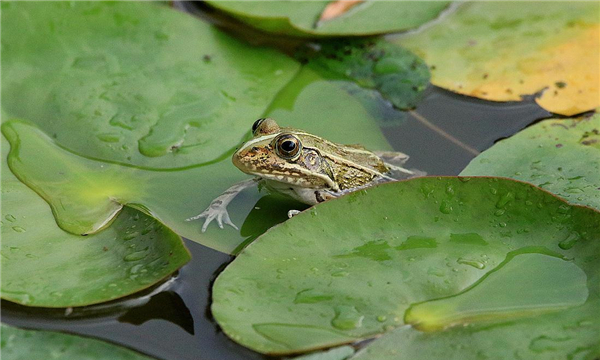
column 303, row 166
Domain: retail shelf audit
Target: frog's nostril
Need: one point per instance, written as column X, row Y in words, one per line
column 255, row 149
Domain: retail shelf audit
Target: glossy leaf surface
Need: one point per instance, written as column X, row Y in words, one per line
column 561, row 156
column 133, row 82
column 501, row 51
column 43, row 265
column 86, row 194
column 301, row 18
column 20, row 344
column 94, row 135
column 421, row 252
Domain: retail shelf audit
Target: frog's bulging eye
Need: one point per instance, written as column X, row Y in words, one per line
column 288, row 146
column 257, row 124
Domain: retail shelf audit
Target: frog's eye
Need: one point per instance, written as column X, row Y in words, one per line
column 288, row 146
column 257, row 124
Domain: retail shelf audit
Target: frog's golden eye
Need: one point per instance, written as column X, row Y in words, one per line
column 287, row 146
column 257, row 124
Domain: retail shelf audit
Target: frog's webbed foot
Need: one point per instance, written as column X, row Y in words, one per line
column 217, row 210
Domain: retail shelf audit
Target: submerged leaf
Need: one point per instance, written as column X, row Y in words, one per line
column 20, row 344
column 561, row 156
column 396, row 73
column 502, row 51
column 363, row 265
column 301, row 18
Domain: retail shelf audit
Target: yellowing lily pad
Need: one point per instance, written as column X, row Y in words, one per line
column 305, row 18
column 559, row 155
column 502, row 51
column 43, row 265
column 20, row 344
column 436, row 253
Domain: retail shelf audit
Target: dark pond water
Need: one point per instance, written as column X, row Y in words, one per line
column 173, row 321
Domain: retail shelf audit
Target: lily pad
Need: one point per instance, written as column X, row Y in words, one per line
column 569, row 334
column 502, row 51
column 43, row 265
column 301, row 18
column 85, row 194
column 20, row 344
column 560, row 155
column 166, row 60
column 416, row 252
column 399, row 75
column 133, row 82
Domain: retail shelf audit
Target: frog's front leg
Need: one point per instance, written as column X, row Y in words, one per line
column 218, row 207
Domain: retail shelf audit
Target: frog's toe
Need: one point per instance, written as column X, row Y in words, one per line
column 225, row 219
column 201, row 215
column 293, row 213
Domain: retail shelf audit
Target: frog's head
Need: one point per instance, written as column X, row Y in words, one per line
column 278, row 154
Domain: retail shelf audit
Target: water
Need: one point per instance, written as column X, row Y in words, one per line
column 173, row 320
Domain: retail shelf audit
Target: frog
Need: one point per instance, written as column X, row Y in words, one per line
column 305, row 167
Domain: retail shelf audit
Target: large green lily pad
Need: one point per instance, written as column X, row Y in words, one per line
column 43, row 265
column 163, row 71
column 301, row 18
column 501, row 51
column 20, row 344
column 436, row 253
column 560, row 155
column 85, row 194
column 133, row 82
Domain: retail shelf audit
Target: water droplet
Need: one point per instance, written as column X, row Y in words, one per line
column 474, row 263
column 136, row 268
column 381, row 318
column 309, row 296
column 347, row 318
column 546, row 343
column 435, row 272
column 18, row 229
column 504, row 200
column 109, row 137
column 128, row 236
column 570, row 241
column 499, row 212
column 445, row 207
column 135, row 256
column 340, row 274
column 10, row 218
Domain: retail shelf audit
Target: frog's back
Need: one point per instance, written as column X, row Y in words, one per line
column 351, row 165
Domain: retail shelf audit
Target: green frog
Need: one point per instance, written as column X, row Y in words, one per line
column 305, row 167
